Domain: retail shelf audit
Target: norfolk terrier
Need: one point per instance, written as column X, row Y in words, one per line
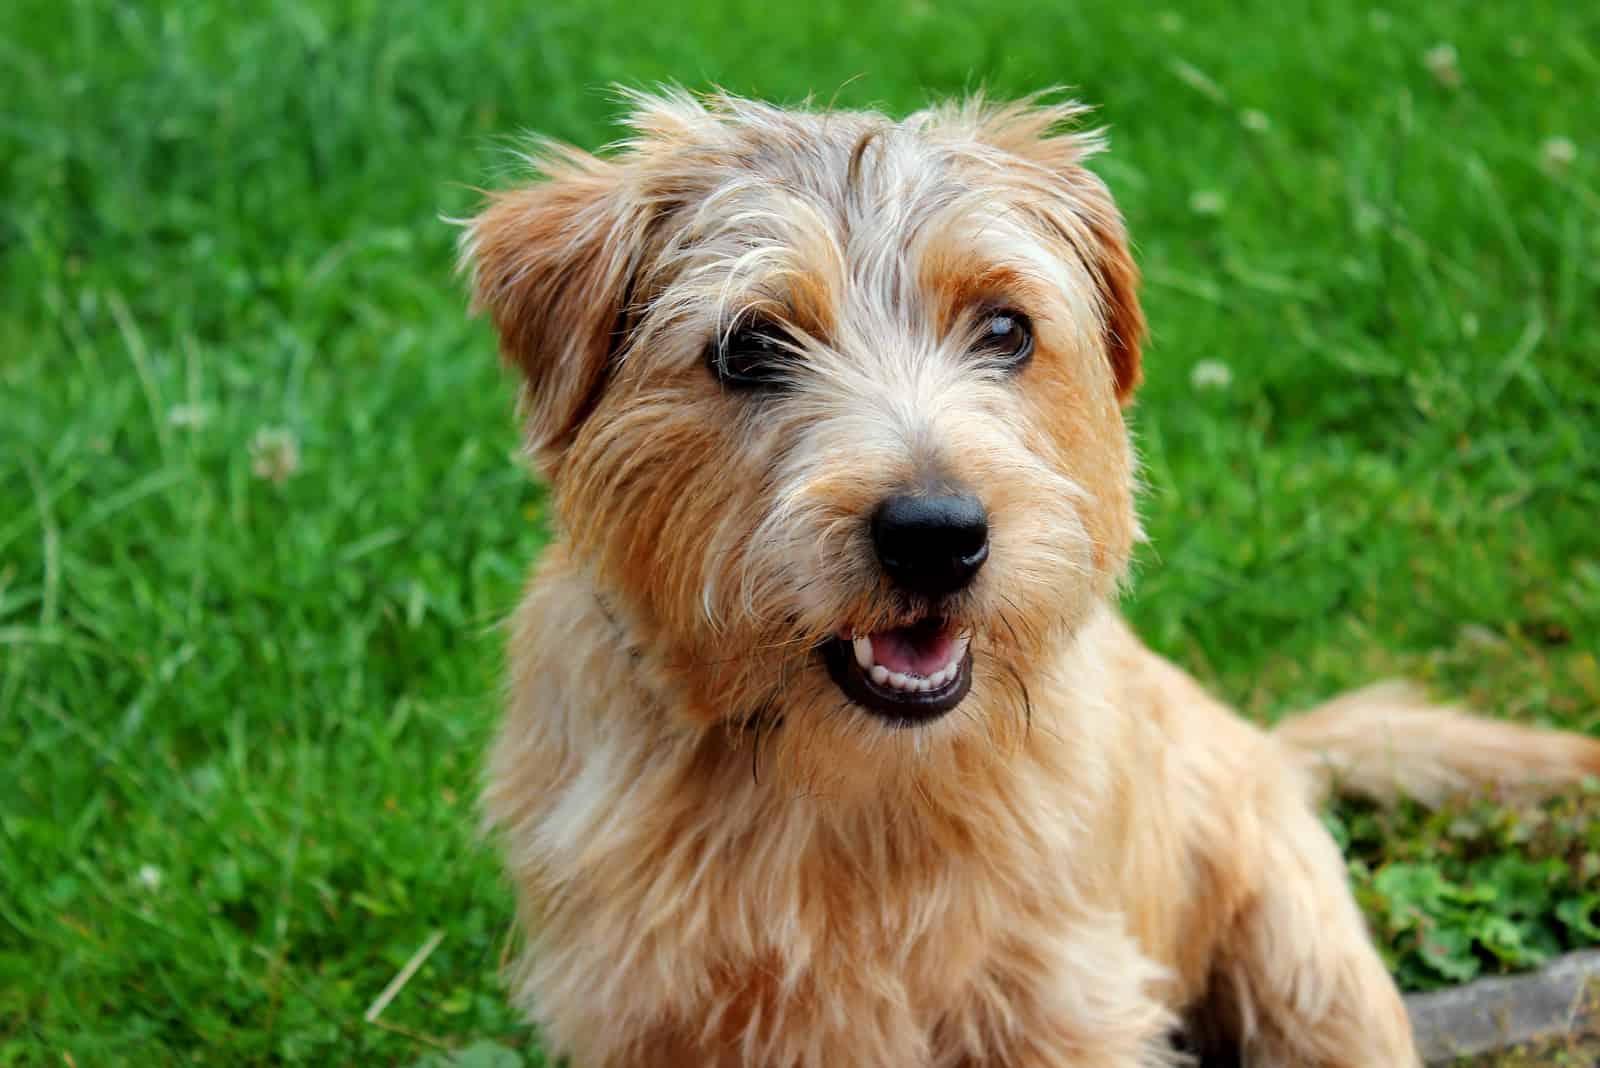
column 826, row 744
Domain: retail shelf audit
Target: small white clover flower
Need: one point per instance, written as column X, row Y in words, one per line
column 1210, row 374
column 1479, row 636
column 194, row 416
column 1206, row 202
column 1556, row 155
column 275, row 454
column 150, row 877
column 1443, row 63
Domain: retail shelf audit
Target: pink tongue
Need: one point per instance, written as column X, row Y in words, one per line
column 913, row 650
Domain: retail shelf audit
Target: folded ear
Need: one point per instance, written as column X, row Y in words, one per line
column 552, row 264
column 1073, row 202
column 1109, row 260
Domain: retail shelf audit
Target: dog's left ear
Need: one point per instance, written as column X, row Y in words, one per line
column 552, row 263
column 1072, row 202
column 1107, row 256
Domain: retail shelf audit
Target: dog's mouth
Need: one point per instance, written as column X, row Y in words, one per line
column 908, row 675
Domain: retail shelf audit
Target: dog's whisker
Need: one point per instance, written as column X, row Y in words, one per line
column 755, row 752
column 1027, row 700
column 1006, row 620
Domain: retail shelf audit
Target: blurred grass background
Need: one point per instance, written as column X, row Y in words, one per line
column 259, row 517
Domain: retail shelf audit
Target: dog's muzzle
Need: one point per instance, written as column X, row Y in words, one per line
column 908, row 675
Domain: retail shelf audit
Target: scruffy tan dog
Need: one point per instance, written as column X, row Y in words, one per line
column 826, row 746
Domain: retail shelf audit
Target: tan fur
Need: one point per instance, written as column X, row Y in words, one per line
column 1389, row 741
column 719, row 859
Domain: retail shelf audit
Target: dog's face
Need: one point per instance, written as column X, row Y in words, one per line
column 831, row 405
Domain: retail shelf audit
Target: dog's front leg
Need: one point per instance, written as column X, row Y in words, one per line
column 1070, row 994
column 1297, row 972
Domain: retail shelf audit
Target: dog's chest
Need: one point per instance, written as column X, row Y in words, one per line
column 764, row 899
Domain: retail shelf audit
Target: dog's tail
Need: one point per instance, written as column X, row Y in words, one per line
column 1389, row 741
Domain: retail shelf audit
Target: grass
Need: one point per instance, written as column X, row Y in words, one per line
column 259, row 519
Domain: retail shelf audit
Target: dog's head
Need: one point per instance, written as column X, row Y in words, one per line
column 830, row 404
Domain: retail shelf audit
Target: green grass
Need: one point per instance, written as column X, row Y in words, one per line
column 241, row 719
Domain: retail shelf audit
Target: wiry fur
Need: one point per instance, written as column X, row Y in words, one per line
column 719, row 859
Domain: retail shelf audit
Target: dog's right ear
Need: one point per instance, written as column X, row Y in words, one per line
column 552, row 263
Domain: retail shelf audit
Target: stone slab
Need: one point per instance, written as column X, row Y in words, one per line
column 1498, row 1013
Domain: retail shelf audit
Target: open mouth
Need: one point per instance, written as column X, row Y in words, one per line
column 909, row 675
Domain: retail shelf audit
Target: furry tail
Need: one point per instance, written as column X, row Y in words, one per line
column 1389, row 741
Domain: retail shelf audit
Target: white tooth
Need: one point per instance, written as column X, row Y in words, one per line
column 863, row 647
column 924, row 685
column 880, row 674
column 899, row 681
column 940, row 677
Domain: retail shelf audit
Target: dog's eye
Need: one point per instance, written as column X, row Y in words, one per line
column 757, row 355
column 1005, row 337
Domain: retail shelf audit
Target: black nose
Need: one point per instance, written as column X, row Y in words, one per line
column 931, row 543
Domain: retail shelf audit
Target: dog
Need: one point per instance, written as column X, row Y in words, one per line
column 826, row 744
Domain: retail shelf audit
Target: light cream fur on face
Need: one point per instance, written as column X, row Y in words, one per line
column 720, row 858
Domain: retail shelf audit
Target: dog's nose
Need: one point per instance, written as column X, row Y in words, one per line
column 931, row 543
